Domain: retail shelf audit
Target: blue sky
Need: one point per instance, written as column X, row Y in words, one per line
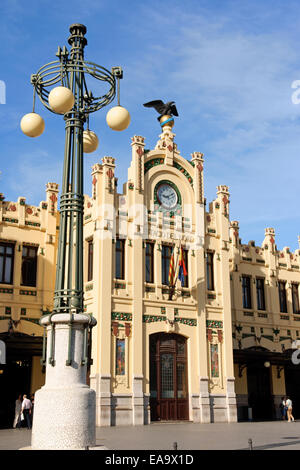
column 229, row 65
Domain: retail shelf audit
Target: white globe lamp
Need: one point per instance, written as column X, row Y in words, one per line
column 90, row 141
column 32, row 124
column 61, row 99
column 118, row 118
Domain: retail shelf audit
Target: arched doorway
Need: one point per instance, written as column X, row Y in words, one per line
column 292, row 380
column 259, row 392
column 168, row 377
column 259, row 381
column 16, row 374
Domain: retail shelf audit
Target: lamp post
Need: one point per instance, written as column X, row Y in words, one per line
column 64, row 413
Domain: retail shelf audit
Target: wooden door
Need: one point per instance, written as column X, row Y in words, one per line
column 168, row 377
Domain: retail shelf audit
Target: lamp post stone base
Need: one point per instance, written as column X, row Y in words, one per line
column 64, row 418
column 64, row 408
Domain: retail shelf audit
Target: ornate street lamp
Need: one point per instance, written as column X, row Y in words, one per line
column 64, row 412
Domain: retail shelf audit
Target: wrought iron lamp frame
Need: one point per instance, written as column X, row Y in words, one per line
column 70, row 70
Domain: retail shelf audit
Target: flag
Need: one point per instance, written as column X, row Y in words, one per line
column 181, row 268
column 172, row 269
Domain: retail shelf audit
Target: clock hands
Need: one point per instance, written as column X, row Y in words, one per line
column 167, row 196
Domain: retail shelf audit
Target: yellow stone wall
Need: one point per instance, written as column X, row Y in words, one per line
column 271, row 329
column 37, row 375
column 278, row 383
column 27, row 225
column 241, row 387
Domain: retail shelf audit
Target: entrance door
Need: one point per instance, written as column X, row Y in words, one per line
column 14, row 381
column 168, row 377
column 259, row 392
column 292, row 384
column 15, row 375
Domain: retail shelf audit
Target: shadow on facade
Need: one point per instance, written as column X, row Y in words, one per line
column 263, row 398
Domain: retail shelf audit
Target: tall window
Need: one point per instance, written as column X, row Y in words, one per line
column 185, row 258
column 29, row 266
column 260, row 294
column 282, row 296
column 90, row 259
column 246, row 287
column 166, row 253
column 210, row 271
column 149, row 264
column 295, row 297
column 120, row 259
column 6, row 263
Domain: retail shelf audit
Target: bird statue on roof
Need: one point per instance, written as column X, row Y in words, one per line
column 164, row 109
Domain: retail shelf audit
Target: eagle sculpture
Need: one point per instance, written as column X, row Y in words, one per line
column 163, row 108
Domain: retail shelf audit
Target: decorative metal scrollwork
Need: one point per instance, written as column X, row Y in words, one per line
column 59, row 72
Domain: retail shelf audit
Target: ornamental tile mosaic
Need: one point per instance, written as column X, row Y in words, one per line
column 214, row 324
column 184, row 172
column 152, row 163
column 121, row 316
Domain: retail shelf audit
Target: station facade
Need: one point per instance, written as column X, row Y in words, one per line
column 218, row 347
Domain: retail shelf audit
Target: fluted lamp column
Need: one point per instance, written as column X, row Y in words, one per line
column 64, row 412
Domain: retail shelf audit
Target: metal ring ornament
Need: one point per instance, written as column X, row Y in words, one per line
column 58, row 72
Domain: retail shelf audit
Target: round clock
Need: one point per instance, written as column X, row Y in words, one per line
column 167, row 196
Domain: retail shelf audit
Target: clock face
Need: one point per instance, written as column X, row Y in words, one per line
column 167, row 196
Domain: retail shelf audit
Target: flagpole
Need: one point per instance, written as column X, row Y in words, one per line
column 172, row 288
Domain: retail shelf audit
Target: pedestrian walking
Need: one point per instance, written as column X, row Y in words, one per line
column 26, row 410
column 18, row 410
column 283, row 408
column 289, row 406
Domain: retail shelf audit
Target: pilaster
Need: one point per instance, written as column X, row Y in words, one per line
column 268, row 246
column 103, row 181
column 204, row 401
column 135, row 256
column 198, row 161
column 136, row 170
column 223, row 219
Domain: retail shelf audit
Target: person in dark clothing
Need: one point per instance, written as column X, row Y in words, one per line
column 26, row 410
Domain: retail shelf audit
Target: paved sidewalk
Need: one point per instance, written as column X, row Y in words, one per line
column 275, row 435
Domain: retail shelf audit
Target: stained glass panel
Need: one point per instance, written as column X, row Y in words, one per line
column 166, row 342
column 167, row 376
column 181, row 380
column 180, row 347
